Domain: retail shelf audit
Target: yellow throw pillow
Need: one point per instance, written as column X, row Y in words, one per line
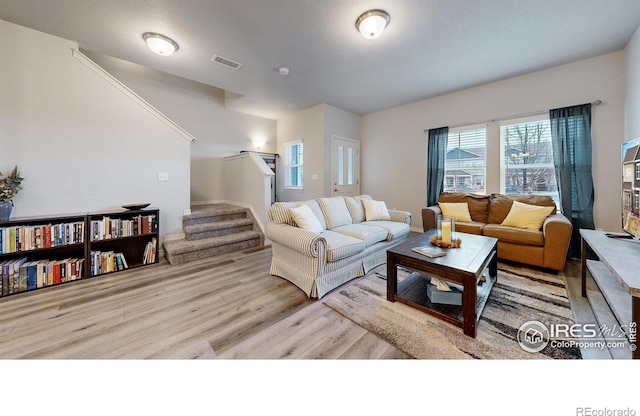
column 375, row 210
column 527, row 216
column 457, row 210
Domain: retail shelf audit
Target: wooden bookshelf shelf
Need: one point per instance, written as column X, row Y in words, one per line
column 37, row 252
column 122, row 239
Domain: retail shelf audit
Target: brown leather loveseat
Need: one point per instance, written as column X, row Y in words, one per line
column 545, row 248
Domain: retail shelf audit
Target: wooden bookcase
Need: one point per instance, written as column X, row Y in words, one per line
column 125, row 236
column 38, row 252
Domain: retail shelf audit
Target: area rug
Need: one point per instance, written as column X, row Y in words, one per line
column 519, row 295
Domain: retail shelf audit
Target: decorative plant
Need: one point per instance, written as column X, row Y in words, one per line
column 10, row 185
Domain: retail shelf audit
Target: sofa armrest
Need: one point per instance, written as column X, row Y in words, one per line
column 302, row 241
column 557, row 231
column 400, row 216
column 429, row 215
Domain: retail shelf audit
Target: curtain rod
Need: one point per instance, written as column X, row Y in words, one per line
column 534, row 113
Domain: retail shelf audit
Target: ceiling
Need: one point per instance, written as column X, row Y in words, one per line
column 430, row 48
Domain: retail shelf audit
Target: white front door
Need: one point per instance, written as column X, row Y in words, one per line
column 345, row 158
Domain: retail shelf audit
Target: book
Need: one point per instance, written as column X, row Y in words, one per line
column 5, row 276
column 56, row 272
column 430, row 251
column 32, row 276
column 14, row 282
column 50, row 273
column 41, row 280
column 149, row 255
column 440, row 284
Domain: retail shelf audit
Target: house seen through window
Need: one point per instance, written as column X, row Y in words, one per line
column 465, row 160
column 293, row 162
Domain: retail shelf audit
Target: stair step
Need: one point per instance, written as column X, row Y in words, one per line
column 217, row 215
column 218, row 228
column 183, row 251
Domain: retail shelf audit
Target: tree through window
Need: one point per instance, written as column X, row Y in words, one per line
column 527, row 163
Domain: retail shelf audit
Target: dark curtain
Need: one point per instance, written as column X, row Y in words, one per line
column 436, row 151
column 571, row 137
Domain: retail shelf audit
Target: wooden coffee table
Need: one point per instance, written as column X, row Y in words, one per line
column 465, row 266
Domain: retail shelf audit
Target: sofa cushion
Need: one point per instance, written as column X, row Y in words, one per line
column 315, row 207
column 470, row 227
column 375, row 210
column 305, row 218
column 527, row 216
column 457, row 210
column 355, row 207
column 394, row 229
column 335, row 211
column 500, row 204
column 513, row 235
column 478, row 204
column 369, row 234
column 340, row 246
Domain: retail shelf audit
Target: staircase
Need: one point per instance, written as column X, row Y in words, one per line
column 214, row 229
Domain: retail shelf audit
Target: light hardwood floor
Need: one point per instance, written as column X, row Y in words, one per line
column 224, row 307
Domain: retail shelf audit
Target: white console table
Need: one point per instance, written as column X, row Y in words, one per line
column 617, row 274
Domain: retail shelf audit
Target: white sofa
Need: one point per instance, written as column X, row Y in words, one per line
column 347, row 247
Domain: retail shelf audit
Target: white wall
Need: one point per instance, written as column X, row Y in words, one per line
column 632, row 93
column 249, row 183
column 394, row 145
column 199, row 109
column 80, row 143
column 308, row 126
column 315, row 126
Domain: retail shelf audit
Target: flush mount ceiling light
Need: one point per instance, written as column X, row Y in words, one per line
column 160, row 44
column 371, row 23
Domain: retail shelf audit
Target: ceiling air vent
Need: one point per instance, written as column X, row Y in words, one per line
column 226, row 62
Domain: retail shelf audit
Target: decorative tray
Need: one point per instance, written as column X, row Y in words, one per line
column 135, row 206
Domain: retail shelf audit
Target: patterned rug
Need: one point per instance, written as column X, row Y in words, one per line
column 518, row 296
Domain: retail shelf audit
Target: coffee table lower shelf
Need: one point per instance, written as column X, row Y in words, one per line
column 412, row 291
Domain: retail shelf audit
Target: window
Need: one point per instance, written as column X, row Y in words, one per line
column 293, row 165
column 465, row 160
column 637, row 170
column 527, row 162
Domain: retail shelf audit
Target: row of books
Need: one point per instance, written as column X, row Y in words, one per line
column 32, row 237
column 149, row 255
column 108, row 227
column 106, row 262
column 20, row 275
